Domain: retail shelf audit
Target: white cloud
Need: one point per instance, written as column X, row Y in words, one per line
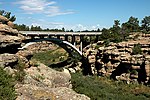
column 79, row 27
column 44, row 23
column 42, row 6
column 95, row 27
column 36, row 24
column 56, row 23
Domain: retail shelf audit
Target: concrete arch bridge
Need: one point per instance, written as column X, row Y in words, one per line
column 59, row 38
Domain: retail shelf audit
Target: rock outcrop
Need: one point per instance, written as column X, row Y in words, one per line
column 119, row 61
column 37, row 93
column 42, row 82
column 10, row 39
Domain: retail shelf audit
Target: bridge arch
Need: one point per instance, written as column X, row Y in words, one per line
column 64, row 44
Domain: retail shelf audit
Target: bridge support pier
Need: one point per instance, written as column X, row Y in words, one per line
column 49, row 36
column 66, row 38
column 73, row 40
column 96, row 40
column 32, row 37
column 81, row 43
column 58, row 37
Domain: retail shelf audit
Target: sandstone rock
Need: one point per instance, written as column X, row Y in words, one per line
column 71, row 70
column 9, row 39
column 134, row 76
column 91, row 59
column 147, row 57
column 100, row 42
column 8, row 60
column 3, row 19
column 109, row 65
column 123, row 77
column 135, row 67
column 44, row 74
column 8, row 30
column 31, row 92
column 44, row 83
column 101, row 48
column 147, row 69
column 9, row 44
column 9, row 70
column 25, row 53
column 103, row 71
column 11, row 24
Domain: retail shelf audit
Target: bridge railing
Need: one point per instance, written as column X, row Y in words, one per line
column 45, row 33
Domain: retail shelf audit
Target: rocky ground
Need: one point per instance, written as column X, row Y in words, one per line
column 36, row 81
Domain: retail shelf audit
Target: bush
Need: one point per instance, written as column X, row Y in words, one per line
column 7, row 90
column 20, row 73
column 136, row 49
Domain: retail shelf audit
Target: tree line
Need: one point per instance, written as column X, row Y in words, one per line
column 24, row 27
column 120, row 32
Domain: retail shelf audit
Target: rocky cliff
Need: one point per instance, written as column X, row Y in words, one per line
column 35, row 81
column 10, row 39
column 119, row 61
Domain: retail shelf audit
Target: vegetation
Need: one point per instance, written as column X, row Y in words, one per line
column 120, row 32
column 105, row 89
column 7, row 90
column 136, row 49
column 20, row 73
column 24, row 27
column 146, row 24
column 8, row 15
column 52, row 57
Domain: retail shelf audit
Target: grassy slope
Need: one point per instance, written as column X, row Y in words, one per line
column 51, row 57
column 105, row 89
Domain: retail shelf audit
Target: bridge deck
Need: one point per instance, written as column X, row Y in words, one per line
column 44, row 33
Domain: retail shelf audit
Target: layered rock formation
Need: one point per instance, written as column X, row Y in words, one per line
column 38, row 82
column 118, row 60
column 10, row 39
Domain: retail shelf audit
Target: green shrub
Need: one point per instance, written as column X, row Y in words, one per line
column 20, row 73
column 136, row 49
column 7, row 90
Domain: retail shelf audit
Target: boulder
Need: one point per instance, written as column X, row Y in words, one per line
column 11, row 24
column 48, row 76
column 44, row 83
column 8, row 60
column 8, row 30
column 3, row 19
column 25, row 53
column 31, row 92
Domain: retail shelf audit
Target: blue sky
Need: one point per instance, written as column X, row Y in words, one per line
column 75, row 14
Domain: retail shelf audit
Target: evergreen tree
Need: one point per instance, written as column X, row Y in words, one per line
column 146, row 23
